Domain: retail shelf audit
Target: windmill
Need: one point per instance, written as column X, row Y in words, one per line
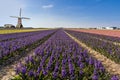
column 19, row 24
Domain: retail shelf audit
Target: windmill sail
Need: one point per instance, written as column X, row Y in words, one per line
column 25, row 18
column 20, row 12
column 14, row 16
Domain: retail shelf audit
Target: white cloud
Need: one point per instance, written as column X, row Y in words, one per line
column 47, row 6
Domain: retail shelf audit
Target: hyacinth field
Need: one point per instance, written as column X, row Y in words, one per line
column 107, row 49
column 56, row 56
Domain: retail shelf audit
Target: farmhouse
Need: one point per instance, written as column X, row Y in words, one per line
column 9, row 26
column 110, row 28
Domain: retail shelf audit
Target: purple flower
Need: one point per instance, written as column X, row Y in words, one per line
column 31, row 73
column 44, row 72
column 71, row 69
column 102, row 69
column 63, row 61
column 31, row 59
column 27, row 59
column 56, row 67
column 95, row 77
column 17, row 70
column 63, row 73
column 80, row 58
column 81, row 65
column 69, row 60
column 81, row 72
column 91, row 61
column 39, row 69
column 114, row 77
column 23, row 70
column 95, row 72
column 55, row 74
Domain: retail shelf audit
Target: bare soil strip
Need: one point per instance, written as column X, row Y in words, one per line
column 110, row 65
column 8, row 72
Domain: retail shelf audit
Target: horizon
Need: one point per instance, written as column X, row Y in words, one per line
column 62, row 13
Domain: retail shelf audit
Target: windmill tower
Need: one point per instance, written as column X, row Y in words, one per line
column 19, row 24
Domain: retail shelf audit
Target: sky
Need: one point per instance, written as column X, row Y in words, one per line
column 62, row 13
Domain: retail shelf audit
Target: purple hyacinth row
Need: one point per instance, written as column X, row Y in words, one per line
column 9, row 46
column 4, row 37
column 106, row 48
column 61, row 58
column 105, row 37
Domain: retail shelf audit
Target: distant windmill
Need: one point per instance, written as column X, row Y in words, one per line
column 19, row 24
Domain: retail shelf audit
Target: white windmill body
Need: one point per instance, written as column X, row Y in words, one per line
column 19, row 24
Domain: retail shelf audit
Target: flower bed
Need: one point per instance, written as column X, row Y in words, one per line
column 60, row 58
column 105, row 48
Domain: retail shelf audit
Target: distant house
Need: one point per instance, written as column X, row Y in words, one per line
column 9, row 26
column 115, row 27
column 108, row 28
column 92, row 28
column 111, row 28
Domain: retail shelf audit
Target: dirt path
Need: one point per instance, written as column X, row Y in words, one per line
column 110, row 66
column 8, row 72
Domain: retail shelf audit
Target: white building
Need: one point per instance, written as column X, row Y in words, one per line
column 9, row 26
column 110, row 28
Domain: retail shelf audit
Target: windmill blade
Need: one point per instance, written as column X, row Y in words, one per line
column 24, row 18
column 14, row 16
column 20, row 12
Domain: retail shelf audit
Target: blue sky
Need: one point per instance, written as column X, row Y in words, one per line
column 62, row 13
